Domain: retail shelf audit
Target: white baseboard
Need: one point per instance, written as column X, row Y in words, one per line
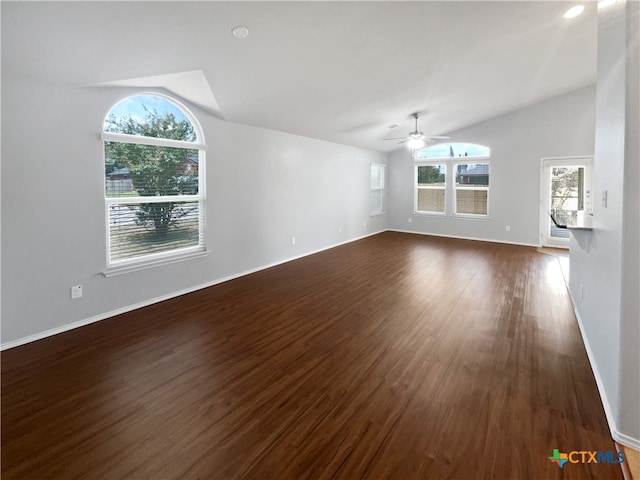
column 464, row 238
column 626, row 440
column 618, row 436
column 161, row 298
column 594, row 368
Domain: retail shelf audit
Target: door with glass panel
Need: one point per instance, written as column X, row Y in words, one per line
column 566, row 194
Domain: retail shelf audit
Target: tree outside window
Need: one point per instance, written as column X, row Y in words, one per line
column 152, row 179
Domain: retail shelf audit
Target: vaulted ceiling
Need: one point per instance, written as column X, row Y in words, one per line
column 339, row 71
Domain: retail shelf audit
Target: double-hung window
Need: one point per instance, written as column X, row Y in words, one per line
column 430, row 188
column 472, row 188
column 452, row 179
column 377, row 189
column 154, row 161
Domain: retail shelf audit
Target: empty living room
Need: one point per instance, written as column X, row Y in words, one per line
column 320, row 240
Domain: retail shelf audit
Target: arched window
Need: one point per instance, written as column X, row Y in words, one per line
column 154, row 159
column 453, row 150
column 452, row 179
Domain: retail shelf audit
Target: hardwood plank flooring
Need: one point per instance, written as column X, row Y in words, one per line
column 397, row 356
column 631, row 466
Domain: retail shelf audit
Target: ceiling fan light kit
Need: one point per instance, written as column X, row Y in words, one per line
column 416, row 139
column 416, row 143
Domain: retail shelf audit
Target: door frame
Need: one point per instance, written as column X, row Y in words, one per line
column 546, row 163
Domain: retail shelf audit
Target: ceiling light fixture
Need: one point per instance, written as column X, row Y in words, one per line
column 416, row 139
column 416, row 143
column 574, row 11
column 605, row 3
column 240, row 31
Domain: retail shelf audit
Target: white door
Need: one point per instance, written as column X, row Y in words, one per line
column 565, row 191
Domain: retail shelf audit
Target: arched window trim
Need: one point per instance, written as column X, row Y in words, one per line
column 119, row 267
column 179, row 105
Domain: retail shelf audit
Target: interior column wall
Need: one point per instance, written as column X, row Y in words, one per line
column 604, row 263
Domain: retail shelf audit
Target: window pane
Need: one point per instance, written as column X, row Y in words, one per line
column 149, row 116
column 143, row 229
column 449, row 150
column 376, row 200
column 133, row 170
column 377, row 176
column 472, row 174
column 432, row 175
column 431, row 200
column 567, row 197
column 471, row 201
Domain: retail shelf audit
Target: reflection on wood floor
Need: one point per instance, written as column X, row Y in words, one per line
column 562, row 254
column 397, row 356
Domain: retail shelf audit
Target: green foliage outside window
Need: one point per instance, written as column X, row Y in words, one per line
column 155, row 170
column 431, row 175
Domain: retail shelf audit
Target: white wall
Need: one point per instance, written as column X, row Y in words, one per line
column 605, row 261
column 629, row 415
column 263, row 187
column 561, row 126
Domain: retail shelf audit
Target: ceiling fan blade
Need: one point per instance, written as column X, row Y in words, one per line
column 362, row 127
column 417, row 134
column 395, row 138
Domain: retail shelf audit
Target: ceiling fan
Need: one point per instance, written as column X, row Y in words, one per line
column 417, row 139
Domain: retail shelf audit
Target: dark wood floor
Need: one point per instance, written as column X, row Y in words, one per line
column 397, row 356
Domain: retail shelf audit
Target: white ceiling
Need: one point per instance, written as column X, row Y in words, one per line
column 339, row 71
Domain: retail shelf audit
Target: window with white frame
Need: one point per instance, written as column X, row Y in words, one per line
column 472, row 188
column 430, row 188
column 377, row 189
column 154, row 162
column 452, row 179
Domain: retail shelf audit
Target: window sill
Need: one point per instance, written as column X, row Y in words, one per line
column 377, row 214
column 135, row 267
column 482, row 218
column 430, row 214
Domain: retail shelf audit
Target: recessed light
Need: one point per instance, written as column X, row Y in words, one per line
column 240, row 32
column 574, row 11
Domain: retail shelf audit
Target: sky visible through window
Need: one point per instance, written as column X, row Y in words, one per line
column 453, row 150
column 134, row 107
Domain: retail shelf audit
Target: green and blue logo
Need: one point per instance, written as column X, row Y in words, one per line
column 559, row 458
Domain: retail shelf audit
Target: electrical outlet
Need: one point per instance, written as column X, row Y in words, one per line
column 410, row 220
column 76, row 292
column 339, row 229
column 364, row 224
column 581, row 291
column 508, row 228
column 293, row 240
